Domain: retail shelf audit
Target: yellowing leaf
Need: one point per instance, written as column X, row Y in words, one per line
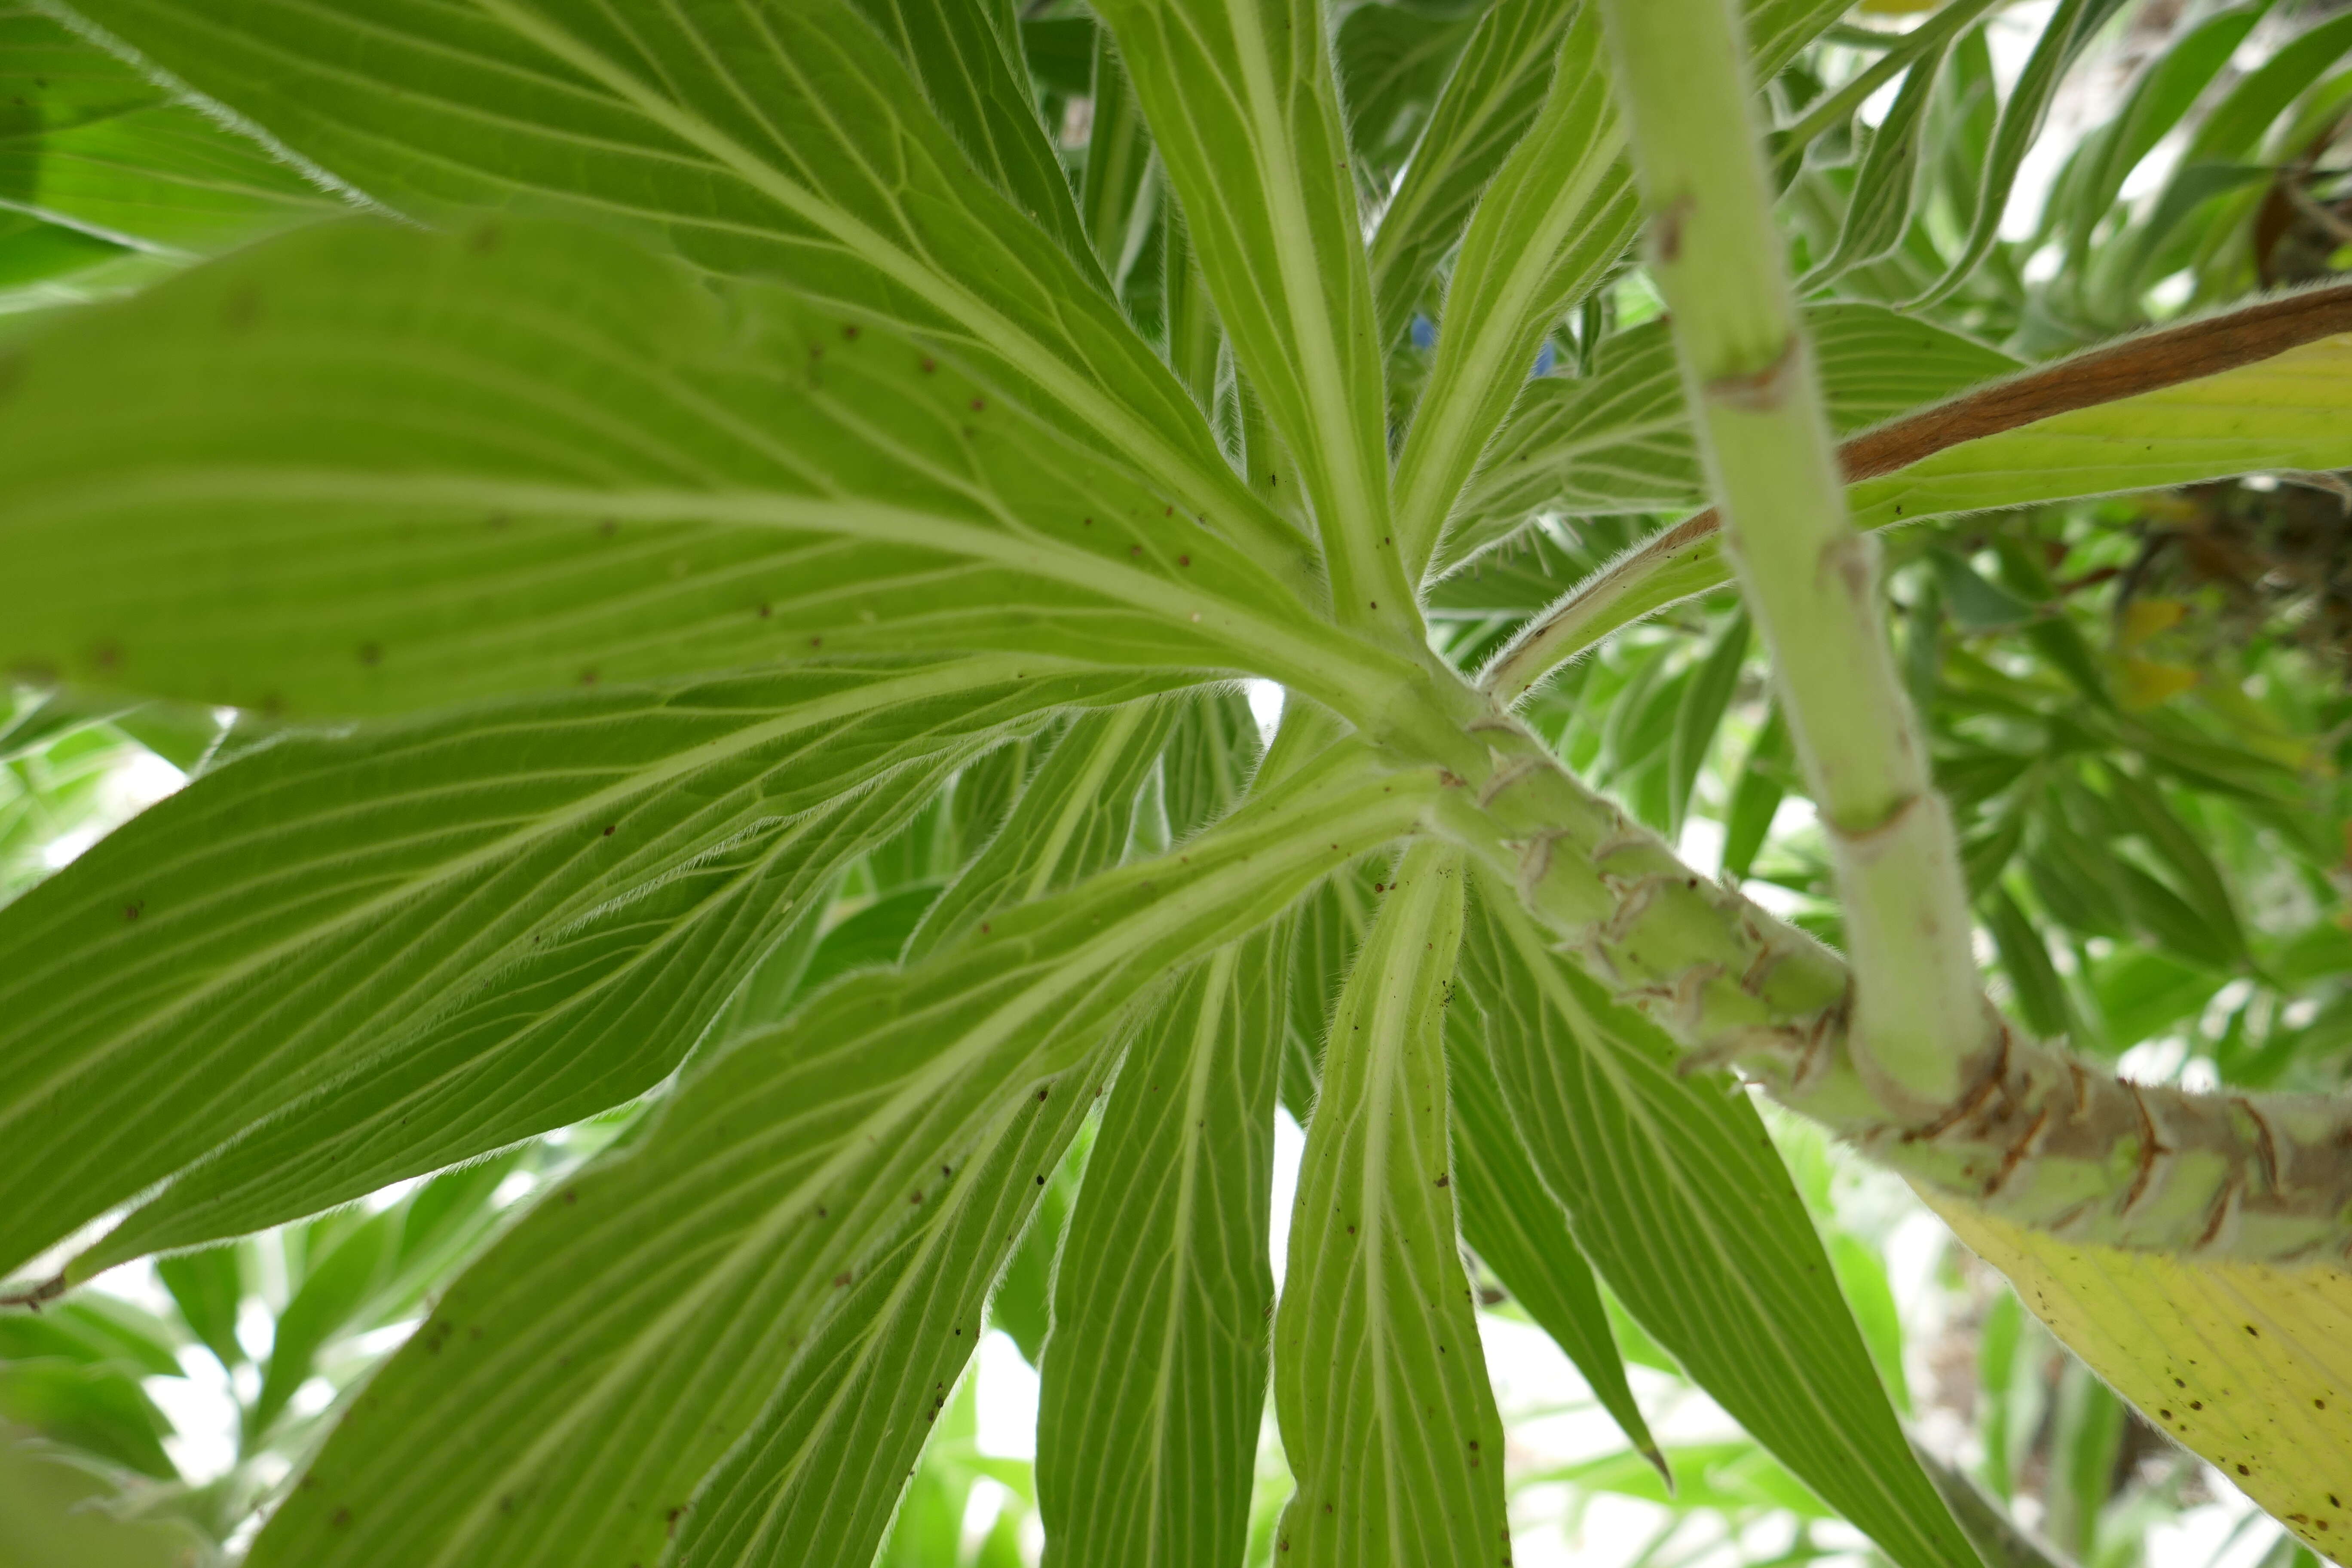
column 2144, row 618
column 2248, row 1365
column 2145, row 682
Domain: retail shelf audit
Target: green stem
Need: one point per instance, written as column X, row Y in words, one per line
column 1809, row 578
column 2033, row 1137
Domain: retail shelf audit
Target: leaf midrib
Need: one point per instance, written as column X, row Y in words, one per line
column 1086, row 962
column 1216, row 997
column 1336, row 670
column 979, row 669
column 1139, row 439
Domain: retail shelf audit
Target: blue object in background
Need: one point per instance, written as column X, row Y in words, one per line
column 1424, row 336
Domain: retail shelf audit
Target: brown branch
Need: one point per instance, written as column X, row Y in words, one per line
column 2148, row 362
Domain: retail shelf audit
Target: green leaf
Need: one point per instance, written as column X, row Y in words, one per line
column 366, row 467
column 1021, row 1304
column 1392, row 60
column 371, row 954
column 2069, row 29
column 1195, row 341
column 2284, row 414
column 333, row 1293
column 980, row 89
column 1211, row 752
column 2142, row 993
column 1699, row 714
column 1557, row 215
column 816, row 1478
column 1733, row 1477
column 2197, row 878
column 33, row 252
column 638, row 1321
column 1119, row 189
column 2039, row 992
column 1154, row 1379
column 207, row 1287
column 1330, row 921
column 95, row 1409
column 780, row 141
column 90, row 143
column 1245, row 112
column 97, row 1330
column 1879, row 209
column 873, row 937
column 1755, row 798
column 2159, row 100
column 1388, row 1420
column 1862, row 1277
column 1489, row 100
column 1060, row 52
column 1620, row 440
column 1974, row 604
column 1518, row 1229
column 1681, row 1201
column 2228, row 136
column 1075, row 818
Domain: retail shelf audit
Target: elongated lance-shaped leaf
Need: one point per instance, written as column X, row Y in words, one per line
column 1075, row 818
column 1387, row 1417
column 1243, row 109
column 1557, row 216
column 1211, row 757
column 2222, row 144
column 1392, row 64
column 364, row 467
column 633, row 1326
column 981, row 93
column 1195, row 342
column 1490, row 98
column 1153, row 1385
column 2170, row 86
column 1879, row 210
column 1683, row 1205
column 1562, row 201
column 1118, row 188
column 816, row 1478
column 93, row 145
column 1988, row 450
column 2282, row 413
column 757, row 139
column 1330, row 921
column 2069, row 29
column 1519, row 1230
column 407, row 946
column 1619, row 440
column 2243, row 1364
